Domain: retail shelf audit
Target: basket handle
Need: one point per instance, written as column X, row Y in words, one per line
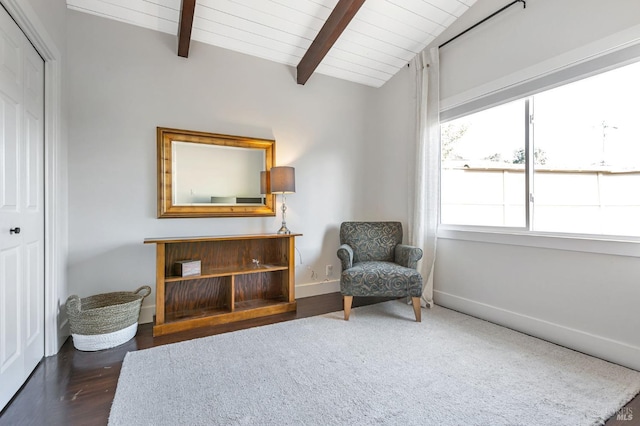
column 147, row 291
column 73, row 304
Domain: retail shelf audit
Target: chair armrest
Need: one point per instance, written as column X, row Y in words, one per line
column 407, row 256
column 345, row 254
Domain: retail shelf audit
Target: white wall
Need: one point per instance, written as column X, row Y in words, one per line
column 521, row 43
column 389, row 150
column 586, row 301
column 126, row 80
column 53, row 15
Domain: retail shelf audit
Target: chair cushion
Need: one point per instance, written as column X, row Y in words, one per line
column 378, row 278
column 371, row 240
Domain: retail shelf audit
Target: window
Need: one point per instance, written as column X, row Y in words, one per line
column 563, row 160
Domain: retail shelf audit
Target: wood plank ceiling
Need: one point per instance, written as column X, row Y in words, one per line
column 383, row 36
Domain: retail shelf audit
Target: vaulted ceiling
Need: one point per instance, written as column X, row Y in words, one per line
column 383, row 36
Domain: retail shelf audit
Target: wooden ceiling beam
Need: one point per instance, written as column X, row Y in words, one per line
column 187, row 10
column 340, row 17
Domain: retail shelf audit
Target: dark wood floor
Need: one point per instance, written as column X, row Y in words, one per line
column 77, row 388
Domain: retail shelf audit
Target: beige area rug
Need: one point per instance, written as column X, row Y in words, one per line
column 381, row 368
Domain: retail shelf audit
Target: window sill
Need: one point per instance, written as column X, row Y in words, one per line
column 611, row 245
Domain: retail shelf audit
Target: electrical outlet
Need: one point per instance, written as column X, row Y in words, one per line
column 328, row 270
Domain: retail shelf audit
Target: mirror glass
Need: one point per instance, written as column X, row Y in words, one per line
column 212, row 174
column 208, row 174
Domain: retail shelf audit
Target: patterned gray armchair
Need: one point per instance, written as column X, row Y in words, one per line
column 376, row 263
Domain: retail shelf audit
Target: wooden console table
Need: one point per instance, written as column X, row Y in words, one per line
column 242, row 277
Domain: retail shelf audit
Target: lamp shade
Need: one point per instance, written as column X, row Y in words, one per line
column 265, row 183
column 283, row 180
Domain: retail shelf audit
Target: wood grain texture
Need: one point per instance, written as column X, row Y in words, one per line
column 242, row 277
column 160, row 283
column 187, row 11
column 340, row 17
column 207, row 318
column 194, row 295
column 77, row 388
column 346, row 302
column 203, row 238
column 229, row 256
column 289, row 280
column 268, row 286
column 415, row 301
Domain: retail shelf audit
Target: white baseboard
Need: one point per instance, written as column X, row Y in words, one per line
column 146, row 314
column 581, row 341
column 63, row 333
column 316, row 289
column 304, row 290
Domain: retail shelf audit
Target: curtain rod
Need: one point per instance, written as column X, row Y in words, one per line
column 524, row 6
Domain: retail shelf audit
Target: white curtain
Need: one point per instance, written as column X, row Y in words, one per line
column 426, row 186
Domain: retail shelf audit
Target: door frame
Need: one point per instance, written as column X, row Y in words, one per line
column 55, row 213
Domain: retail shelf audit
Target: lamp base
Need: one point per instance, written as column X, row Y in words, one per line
column 283, row 229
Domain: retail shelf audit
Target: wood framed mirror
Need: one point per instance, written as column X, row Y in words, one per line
column 212, row 175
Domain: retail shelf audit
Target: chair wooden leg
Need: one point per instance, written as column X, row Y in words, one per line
column 347, row 306
column 416, row 308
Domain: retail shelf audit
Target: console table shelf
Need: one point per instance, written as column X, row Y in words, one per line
column 228, row 271
column 242, row 277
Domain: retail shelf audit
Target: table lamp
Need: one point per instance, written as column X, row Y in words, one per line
column 283, row 181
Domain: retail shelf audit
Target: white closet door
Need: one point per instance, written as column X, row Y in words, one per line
column 21, row 208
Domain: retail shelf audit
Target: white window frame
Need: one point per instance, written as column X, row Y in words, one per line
column 525, row 236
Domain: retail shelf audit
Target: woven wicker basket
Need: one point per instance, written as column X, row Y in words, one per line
column 105, row 320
